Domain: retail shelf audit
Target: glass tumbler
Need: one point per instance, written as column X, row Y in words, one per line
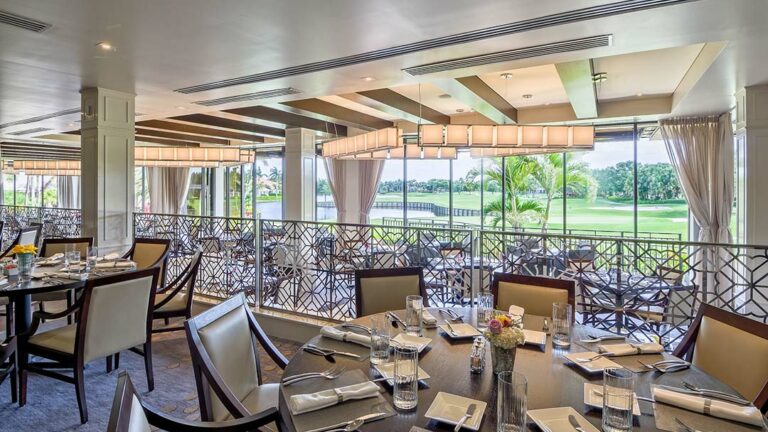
column 561, row 325
column 93, row 256
column 379, row 339
column 485, row 309
column 406, row 395
column 414, row 308
column 618, row 395
column 512, row 397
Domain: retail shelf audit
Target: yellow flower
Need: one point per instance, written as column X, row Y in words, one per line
column 24, row 249
column 504, row 320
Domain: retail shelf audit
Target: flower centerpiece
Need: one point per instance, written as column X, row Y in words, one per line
column 504, row 338
column 24, row 257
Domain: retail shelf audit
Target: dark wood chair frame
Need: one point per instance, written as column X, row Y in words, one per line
column 76, row 361
column 70, row 293
column 37, row 228
column 389, row 272
column 9, row 362
column 122, row 405
column 205, row 371
column 163, row 258
column 685, row 349
column 545, row 282
column 188, row 277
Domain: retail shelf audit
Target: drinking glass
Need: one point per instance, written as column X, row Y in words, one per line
column 93, row 256
column 618, row 392
column 512, row 402
column 379, row 339
column 561, row 325
column 406, row 377
column 71, row 256
column 485, row 309
column 414, row 307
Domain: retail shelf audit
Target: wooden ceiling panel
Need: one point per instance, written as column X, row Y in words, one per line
column 180, row 136
column 338, row 112
column 226, row 123
column 187, row 128
column 289, row 119
column 399, row 102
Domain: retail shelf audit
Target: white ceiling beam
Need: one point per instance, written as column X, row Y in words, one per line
column 708, row 54
column 475, row 93
column 609, row 110
column 576, row 77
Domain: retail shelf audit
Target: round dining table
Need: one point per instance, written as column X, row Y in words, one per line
column 553, row 381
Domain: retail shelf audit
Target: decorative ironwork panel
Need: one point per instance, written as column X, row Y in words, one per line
column 56, row 222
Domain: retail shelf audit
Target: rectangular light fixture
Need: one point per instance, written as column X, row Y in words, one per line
column 387, row 138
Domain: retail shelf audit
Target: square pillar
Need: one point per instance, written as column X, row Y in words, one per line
column 107, row 167
column 752, row 135
column 299, row 175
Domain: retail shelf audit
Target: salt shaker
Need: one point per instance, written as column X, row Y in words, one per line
column 477, row 356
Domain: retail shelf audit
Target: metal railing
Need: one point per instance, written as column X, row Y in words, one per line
column 56, row 222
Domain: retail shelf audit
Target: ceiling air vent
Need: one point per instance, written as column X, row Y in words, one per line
column 584, row 14
column 515, row 54
column 41, row 118
column 23, row 22
column 30, row 131
column 266, row 94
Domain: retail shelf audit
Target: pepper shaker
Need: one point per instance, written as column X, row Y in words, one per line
column 477, row 356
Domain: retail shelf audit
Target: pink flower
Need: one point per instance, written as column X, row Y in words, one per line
column 494, row 326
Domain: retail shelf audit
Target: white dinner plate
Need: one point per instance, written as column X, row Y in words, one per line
column 387, row 370
column 556, row 419
column 593, row 397
column 593, row 367
column 462, row 330
column 450, row 408
column 406, row 339
column 533, row 337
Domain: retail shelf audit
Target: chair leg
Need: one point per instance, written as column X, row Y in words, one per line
column 109, row 363
column 117, row 360
column 8, row 320
column 148, row 365
column 80, row 391
column 70, row 302
column 22, row 385
column 14, row 380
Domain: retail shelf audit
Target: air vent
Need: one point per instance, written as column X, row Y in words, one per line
column 30, row 131
column 23, row 22
column 515, row 54
column 41, row 118
column 589, row 13
column 266, row 94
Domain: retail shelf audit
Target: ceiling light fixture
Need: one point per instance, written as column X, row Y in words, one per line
column 506, row 75
column 460, row 110
column 639, row 95
column 527, row 96
column 445, row 96
column 179, row 107
column 105, row 46
column 368, row 78
column 599, row 77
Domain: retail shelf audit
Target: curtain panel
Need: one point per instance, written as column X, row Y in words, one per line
column 168, row 189
column 69, row 192
column 353, row 185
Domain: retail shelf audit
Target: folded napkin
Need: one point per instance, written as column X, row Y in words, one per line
column 516, row 311
column 114, row 264
column 73, row 276
column 110, row 257
column 625, row 349
column 334, row 333
column 713, row 407
column 304, row 403
column 428, row 319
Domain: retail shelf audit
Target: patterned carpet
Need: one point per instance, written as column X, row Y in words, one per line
column 52, row 406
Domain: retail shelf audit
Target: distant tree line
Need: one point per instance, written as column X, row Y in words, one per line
column 655, row 182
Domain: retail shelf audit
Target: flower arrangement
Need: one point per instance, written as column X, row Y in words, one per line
column 24, row 249
column 503, row 334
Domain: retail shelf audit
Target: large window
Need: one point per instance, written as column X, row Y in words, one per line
column 661, row 205
column 269, row 186
column 195, row 191
column 50, row 191
column 465, row 186
column 326, row 208
column 388, row 206
column 141, row 189
column 235, row 185
column 428, row 192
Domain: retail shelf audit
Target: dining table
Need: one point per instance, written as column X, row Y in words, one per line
column 553, row 380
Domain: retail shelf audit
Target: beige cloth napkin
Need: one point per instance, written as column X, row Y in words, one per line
column 115, row 264
column 428, row 319
column 516, row 311
column 713, row 407
column 304, row 403
column 334, row 333
column 73, row 276
column 625, row 349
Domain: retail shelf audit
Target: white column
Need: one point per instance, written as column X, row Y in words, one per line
column 299, row 175
column 107, row 192
column 218, row 192
column 752, row 130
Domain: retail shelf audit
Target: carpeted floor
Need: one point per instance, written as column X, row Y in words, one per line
column 52, row 406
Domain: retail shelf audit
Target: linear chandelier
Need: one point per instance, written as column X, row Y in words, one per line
column 442, row 142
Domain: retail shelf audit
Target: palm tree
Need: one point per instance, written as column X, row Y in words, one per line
column 548, row 174
column 515, row 210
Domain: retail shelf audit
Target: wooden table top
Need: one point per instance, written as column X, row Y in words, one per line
column 551, row 381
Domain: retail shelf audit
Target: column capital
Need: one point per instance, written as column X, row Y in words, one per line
column 752, row 108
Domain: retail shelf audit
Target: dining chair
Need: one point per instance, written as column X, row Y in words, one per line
column 535, row 294
column 152, row 252
column 731, row 348
column 29, row 235
column 50, row 248
column 9, row 366
column 115, row 314
column 652, row 306
column 175, row 299
column 381, row 290
column 130, row 414
column 224, row 342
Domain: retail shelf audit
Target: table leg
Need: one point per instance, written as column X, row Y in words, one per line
column 22, row 306
column 619, row 313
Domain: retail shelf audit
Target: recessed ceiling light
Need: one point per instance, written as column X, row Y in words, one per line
column 460, row 110
column 71, row 125
column 445, row 96
column 599, row 77
column 527, row 96
column 506, row 75
column 639, row 94
column 368, row 78
column 105, row 46
column 181, row 107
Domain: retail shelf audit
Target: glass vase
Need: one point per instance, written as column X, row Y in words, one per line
column 503, row 359
column 24, row 261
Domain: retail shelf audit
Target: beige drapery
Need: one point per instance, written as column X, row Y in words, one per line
column 168, row 189
column 370, row 175
column 353, row 186
column 69, row 192
column 335, row 170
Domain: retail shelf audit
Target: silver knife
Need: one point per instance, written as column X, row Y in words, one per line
column 575, row 423
column 450, row 327
column 468, row 415
column 366, row 418
column 708, row 395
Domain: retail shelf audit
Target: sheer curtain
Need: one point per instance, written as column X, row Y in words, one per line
column 335, row 170
column 370, row 175
column 353, row 186
column 69, row 192
column 168, row 189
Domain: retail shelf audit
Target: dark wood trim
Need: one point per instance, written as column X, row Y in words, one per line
column 9, row 361
column 70, row 240
column 402, row 103
column 163, row 258
column 199, row 130
column 168, row 142
column 289, row 119
column 180, row 136
column 546, row 282
column 331, row 110
column 186, row 280
column 477, row 86
column 389, row 272
column 231, row 124
column 38, row 228
column 686, row 347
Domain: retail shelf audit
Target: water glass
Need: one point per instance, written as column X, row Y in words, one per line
column 406, row 377
column 485, row 309
column 414, row 308
column 92, row 259
column 512, row 397
column 618, row 394
column 561, row 325
column 71, row 256
column 379, row 340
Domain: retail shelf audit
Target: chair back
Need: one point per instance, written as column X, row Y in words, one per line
column 127, row 413
column 731, row 348
column 29, row 235
column 381, row 290
column 535, row 294
column 51, row 247
column 671, row 276
column 224, row 355
column 188, row 279
column 149, row 253
column 116, row 313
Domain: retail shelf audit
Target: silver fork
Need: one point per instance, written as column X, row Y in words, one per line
column 684, row 426
column 327, row 375
column 329, row 370
column 451, row 314
column 593, row 358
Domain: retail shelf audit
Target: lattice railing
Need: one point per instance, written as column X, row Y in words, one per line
column 56, row 222
column 650, row 289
